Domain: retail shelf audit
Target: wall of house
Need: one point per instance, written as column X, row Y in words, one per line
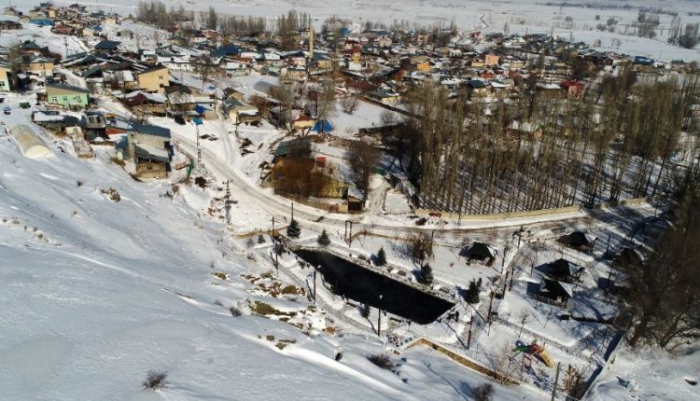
column 151, row 140
column 151, row 170
column 154, row 81
column 4, row 80
column 45, row 68
column 66, row 98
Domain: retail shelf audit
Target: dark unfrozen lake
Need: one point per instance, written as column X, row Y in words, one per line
column 365, row 286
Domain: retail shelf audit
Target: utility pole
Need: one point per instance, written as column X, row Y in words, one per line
column 315, row 270
column 469, row 338
column 379, row 317
column 556, row 380
column 199, row 149
column 490, row 305
column 292, row 211
column 227, row 203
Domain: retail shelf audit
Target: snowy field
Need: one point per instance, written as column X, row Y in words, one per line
column 519, row 16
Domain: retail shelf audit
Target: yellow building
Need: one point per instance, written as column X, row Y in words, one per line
column 154, row 80
column 41, row 66
column 5, row 82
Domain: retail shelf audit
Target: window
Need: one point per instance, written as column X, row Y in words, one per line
column 54, row 99
column 65, row 98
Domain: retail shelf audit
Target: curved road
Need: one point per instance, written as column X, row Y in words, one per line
column 249, row 193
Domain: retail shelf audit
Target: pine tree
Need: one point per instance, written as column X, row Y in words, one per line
column 323, row 239
column 473, row 292
column 294, row 231
column 426, row 275
column 365, row 311
column 381, row 257
column 261, row 239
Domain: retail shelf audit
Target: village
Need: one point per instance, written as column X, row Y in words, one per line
column 288, row 137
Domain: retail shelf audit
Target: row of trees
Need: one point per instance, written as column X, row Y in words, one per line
column 288, row 27
column 662, row 297
column 538, row 152
column 157, row 13
column 688, row 37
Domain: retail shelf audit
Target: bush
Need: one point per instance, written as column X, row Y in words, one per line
column 426, row 275
column 472, row 295
column 323, row 239
column 381, row 360
column 484, row 392
column 294, row 231
column 155, row 380
column 201, row 182
column 364, row 312
column 381, row 257
column 235, row 312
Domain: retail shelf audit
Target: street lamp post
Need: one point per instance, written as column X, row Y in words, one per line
column 379, row 317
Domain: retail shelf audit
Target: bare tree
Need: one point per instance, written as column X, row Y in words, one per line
column 349, row 104
column 388, row 117
column 323, row 100
column 420, row 247
column 663, row 298
column 524, row 317
column 203, row 66
column 363, row 158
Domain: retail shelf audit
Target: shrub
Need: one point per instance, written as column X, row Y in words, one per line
column 472, row 295
column 155, row 380
column 323, row 239
column 364, row 312
column 426, row 275
column 381, row 257
column 483, row 392
column 201, row 182
column 235, row 312
column 381, row 360
column 294, row 231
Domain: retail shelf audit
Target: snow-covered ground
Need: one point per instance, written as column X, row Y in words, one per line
column 517, row 16
column 96, row 293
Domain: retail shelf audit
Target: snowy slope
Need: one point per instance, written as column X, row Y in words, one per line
column 96, row 293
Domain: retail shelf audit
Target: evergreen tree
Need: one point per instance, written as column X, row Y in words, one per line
column 294, row 231
column 365, row 311
column 323, row 239
column 381, row 257
column 426, row 275
column 261, row 239
column 473, row 292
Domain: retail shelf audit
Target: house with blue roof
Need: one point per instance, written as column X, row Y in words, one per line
column 224, row 51
column 107, row 46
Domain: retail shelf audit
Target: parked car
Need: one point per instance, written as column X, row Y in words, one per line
column 179, row 119
column 7, row 110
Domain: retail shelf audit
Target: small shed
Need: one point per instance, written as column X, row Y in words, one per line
column 480, row 251
column 564, row 270
column 554, row 292
column 29, row 143
column 578, row 240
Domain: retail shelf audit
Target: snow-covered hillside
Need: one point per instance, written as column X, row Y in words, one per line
column 96, row 293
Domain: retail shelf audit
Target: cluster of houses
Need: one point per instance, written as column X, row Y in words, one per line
column 377, row 64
